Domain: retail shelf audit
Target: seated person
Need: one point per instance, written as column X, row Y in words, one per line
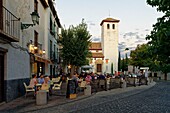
column 88, row 79
column 33, row 81
column 41, row 79
column 46, row 84
column 80, row 79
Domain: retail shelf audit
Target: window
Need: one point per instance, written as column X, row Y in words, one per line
column 36, row 6
column 51, row 52
column 52, row 26
column 108, row 26
column 54, row 52
column 113, row 26
column 1, row 15
column 51, row 22
column 36, row 41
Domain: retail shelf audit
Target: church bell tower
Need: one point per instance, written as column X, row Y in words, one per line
column 109, row 42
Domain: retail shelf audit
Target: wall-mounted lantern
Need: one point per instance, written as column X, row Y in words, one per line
column 35, row 19
column 43, row 51
column 35, row 47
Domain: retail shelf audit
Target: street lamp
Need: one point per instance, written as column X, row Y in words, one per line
column 35, row 19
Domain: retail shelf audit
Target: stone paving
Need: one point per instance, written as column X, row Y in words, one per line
column 105, row 101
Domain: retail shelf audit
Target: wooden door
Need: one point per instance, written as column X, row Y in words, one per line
column 99, row 67
column 1, row 77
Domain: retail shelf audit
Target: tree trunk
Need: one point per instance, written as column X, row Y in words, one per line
column 77, row 70
column 72, row 70
column 65, row 68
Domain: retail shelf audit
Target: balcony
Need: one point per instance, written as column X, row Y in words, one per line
column 9, row 26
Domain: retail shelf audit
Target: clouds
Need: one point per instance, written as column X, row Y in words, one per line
column 131, row 40
column 128, row 40
column 96, row 39
column 130, row 34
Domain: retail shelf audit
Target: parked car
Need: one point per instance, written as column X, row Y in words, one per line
column 132, row 75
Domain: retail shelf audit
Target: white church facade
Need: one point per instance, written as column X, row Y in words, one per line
column 105, row 53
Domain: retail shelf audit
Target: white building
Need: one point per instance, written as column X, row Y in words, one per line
column 25, row 44
column 105, row 53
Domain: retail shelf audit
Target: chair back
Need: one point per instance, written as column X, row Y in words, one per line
column 60, row 83
column 117, row 80
column 53, row 79
column 102, row 82
column 25, row 85
column 58, row 79
column 83, row 84
column 45, row 87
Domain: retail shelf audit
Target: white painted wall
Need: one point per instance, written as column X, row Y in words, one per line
column 22, row 9
column 17, row 63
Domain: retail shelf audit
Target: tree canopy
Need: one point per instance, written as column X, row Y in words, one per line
column 160, row 35
column 119, row 62
column 143, row 57
column 75, row 43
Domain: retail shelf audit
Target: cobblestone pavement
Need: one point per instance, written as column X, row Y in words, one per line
column 152, row 100
column 140, row 99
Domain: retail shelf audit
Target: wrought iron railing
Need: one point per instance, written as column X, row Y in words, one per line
column 9, row 23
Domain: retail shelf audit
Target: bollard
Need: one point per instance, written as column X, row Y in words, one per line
column 123, row 85
column 41, row 97
column 87, row 90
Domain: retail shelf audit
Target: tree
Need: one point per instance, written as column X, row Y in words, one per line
column 123, row 65
column 141, row 56
column 112, row 68
column 160, row 35
column 75, row 42
column 119, row 62
column 126, row 63
column 126, row 60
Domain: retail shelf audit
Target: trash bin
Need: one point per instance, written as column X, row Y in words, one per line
column 87, row 90
column 41, row 97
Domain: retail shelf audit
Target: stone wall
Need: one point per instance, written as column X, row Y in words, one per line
column 15, row 88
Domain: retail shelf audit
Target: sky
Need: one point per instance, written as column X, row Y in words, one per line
column 136, row 18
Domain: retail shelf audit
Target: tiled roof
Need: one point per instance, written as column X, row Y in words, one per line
column 109, row 20
column 97, row 55
column 95, row 46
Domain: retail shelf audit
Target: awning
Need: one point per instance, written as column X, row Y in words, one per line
column 41, row 59
column 86, row 67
